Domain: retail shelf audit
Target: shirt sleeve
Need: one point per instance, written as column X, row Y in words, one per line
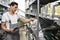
column 3, row 18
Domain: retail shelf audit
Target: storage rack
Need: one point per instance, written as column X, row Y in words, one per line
column 34, row 9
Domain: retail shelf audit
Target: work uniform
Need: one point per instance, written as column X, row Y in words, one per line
column 11, row 22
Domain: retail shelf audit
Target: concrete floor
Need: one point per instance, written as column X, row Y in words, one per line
column 22, row 34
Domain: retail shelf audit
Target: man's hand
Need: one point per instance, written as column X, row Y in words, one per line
column 11, row 30
column 32, row 19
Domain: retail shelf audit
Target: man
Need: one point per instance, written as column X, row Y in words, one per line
column 10, row 21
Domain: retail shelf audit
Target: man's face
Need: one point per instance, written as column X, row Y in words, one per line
column 14, row 8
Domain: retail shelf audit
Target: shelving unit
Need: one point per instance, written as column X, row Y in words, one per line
column 45, row 15
column 3, row 7
column 32, row 9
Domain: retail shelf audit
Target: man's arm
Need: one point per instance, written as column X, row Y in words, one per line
column 26, row 21
column 3, row 26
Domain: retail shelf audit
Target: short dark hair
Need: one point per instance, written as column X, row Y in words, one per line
column 13, row 3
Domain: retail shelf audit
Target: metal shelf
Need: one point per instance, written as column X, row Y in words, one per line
column 31, row 14
column 47, row 17
column 4, row 5
column 30, row 3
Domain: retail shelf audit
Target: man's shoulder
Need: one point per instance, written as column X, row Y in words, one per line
column 5, row 13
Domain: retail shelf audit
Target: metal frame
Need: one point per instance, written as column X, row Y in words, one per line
column 37, row 16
